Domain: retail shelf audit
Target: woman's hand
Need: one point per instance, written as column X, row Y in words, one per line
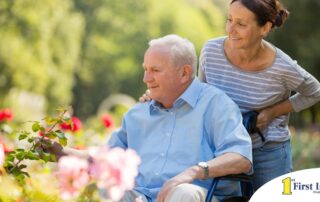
column 265, row 117
column 145, row 97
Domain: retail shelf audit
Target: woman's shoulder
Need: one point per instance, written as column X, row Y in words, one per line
column 287, row 65
column 284, row 58
column 215, row 42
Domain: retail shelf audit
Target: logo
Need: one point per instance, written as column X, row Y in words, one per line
column 302, row 185
column 290, row 185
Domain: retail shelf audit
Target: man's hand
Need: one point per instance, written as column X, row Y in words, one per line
column 186, row 176
column 50, row 147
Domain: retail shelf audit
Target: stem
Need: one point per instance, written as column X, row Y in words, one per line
column 60, row 117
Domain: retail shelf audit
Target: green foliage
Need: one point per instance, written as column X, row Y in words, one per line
column 15, row 160
column 116, row 38
column 305, row 150
column 40, row 42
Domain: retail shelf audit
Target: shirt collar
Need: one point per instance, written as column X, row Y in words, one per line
column 189, row 96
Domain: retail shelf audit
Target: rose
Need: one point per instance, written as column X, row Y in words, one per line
column 73, row 176
column 113, row 170
column 74, row 126
column 6, row 114
column 107, row 120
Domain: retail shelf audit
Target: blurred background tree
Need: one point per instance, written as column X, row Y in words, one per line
column 300, row 39
column 40, row 44
column 78, row 52
column 116, row 37
column 81, row 53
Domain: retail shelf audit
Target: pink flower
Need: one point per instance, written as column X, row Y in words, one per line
column 73, row 176
column 114, row 170
column 6, row 114
column 2, row 156
column 107, row 120
column 77, row 125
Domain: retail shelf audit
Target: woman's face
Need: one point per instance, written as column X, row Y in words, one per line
column 242, row 28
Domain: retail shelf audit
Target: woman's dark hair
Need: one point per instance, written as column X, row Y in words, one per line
column 266, row 11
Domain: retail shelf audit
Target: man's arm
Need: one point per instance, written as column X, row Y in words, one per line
column 59, row 151
column 228, row 163
column 118, row 139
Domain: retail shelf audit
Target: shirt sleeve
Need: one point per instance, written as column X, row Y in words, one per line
column 307, row 92
column 226, row 130
column 119, row 137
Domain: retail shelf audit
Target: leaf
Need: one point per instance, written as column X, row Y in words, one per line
column 9, row 158
column 22, row 136
column 20, row 150
column 53, row 158
column 24, row 133
column 52, row 135
column 20, row 156
column 32, row 156
column 22, row 166
column 50, row 120
column 60, row 135
column 42, row 129
column 30, row 139
column 63, row 141
column 46, row 157
column 61, row 109
column 36, row 126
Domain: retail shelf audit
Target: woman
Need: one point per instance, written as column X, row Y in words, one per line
column 260, row 77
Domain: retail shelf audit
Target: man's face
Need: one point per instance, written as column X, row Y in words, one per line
column 160, row 76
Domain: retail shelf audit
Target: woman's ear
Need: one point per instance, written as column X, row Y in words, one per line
column 266, row 29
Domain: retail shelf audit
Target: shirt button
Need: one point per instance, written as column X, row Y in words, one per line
column 156, row 173
column 162, row 154
column 171, row 113
column 167, row 134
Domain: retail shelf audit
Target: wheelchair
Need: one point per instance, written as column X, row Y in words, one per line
column 246, row 181
column 246, row 185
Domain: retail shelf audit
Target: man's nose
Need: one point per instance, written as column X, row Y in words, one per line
column 147, row 77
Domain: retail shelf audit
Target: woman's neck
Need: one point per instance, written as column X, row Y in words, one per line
column 252, row 58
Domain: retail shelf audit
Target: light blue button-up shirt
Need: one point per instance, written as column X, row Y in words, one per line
column 202, row 124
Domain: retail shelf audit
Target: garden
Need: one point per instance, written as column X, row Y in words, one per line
column 29, row 173
column 86, row 56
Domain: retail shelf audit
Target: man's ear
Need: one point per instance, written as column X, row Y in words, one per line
column 186, row 73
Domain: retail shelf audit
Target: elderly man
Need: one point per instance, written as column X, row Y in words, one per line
column 189, row 131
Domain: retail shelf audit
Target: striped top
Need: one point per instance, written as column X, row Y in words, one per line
column 255, row 90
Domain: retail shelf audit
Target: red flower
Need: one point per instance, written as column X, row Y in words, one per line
column 41, row 134
column 107, row 120
column 77, row 125
column 5, row 148
column 6, row 114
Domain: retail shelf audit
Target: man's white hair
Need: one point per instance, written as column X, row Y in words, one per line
column 182, row 50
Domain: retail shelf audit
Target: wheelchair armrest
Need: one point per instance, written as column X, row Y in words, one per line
column 237, row 177
column 244, row 179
